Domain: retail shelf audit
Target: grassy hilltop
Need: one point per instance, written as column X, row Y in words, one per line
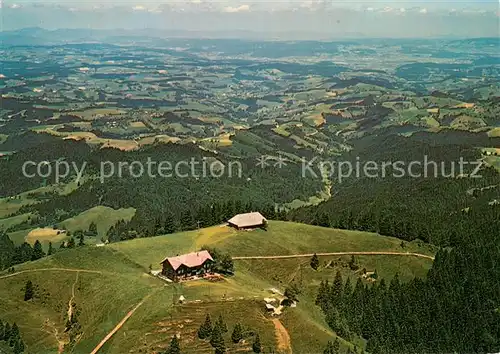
column 113, row 279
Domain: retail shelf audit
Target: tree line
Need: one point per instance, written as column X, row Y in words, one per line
column 11, row 254
column 167, row 222
column 163, row 205
column 454, row 309
column 215, row 334
column 11, row 335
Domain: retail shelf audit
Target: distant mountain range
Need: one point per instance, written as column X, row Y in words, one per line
column 41, row 36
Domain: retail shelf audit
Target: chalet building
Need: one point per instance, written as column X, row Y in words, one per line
column 187, row 265
column 247, row 221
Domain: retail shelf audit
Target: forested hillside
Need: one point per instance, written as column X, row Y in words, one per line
column 457, row 307
column 427, row 208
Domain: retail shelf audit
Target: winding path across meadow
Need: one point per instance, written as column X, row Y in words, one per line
column 51, row 269
column 282, row 337
column 354, row 253
column 119, row 325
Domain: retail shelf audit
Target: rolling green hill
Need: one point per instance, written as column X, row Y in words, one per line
column 105, row 283
column 103, row 217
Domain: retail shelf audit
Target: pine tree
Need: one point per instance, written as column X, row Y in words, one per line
column 329, row 348
column 347, row 288
column 23, row 253
column 14, row 335
column 51, row 250
column 81, row 241
column 92, row 229
column 2, row 330
column 37, row 251
column 7, row 250
column 221, row 324
column 187, row 221
column 71, row 243
column 332, row 348
column 169, row 224
column 336, row 345
column 292, row 293
column 19, row 346
column 315, row 262
column 352, row 263
column 226, row 264
column 256, row 346
column 174, row 347
column 216, row 340
column 6, row 335
column 237, row 334
column 323, row 294
column 205, row 329
column 336, row 290
column 28, row 292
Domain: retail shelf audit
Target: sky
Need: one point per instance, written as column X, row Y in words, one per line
column 317, row 19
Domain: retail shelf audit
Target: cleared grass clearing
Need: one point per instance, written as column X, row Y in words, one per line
column 493, row 161
column 281, row 238
column 123, row 145
column 137, row 125
column 9, row 206
column 315, row 120
column 306, row 335
column 305, row 323
column 281, row 130
column 157, row 139
column 184, row 320
column 91, row 139
column 431, row 122
column 101, row 299
column 313, row 94
column 18, row 237
column 45, row 235
column 41, row 320
column 495, row 132
column 103, row 217
column 98, row 112
column 465, row 122
column 14, row 220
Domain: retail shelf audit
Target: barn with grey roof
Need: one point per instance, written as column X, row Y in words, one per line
column 248, row 221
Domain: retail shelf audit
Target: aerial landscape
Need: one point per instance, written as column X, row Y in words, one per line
column 192, row 188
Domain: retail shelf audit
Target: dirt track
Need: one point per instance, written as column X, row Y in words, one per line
column 119, row 325
column 70, row 303
column 51, row 269
column 283, row 338
column 408, row 254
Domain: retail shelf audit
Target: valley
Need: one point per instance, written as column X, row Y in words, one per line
column 364, row 174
